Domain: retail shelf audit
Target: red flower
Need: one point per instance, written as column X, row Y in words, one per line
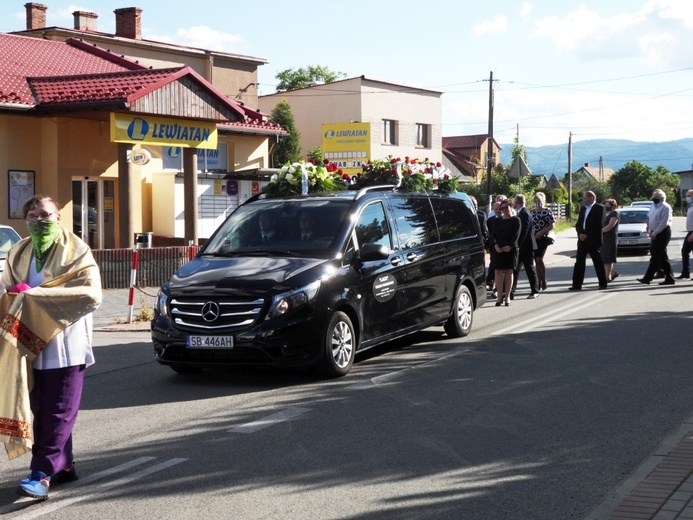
column 312, row 161
column 435, row 181
column 326, row 161
column 393, row 161
column 345, row 176
column 438, row 164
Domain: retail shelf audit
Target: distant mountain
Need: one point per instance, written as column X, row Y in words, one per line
column 546, row 160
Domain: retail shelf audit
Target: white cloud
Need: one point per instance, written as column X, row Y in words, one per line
column 207, row 38
column 653, row 32
column 496, row 26
column 526, row 10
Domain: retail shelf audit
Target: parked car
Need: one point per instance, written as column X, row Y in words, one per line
column 8, row 238
column 632, row 228
column 642, row 203
column 381, row 264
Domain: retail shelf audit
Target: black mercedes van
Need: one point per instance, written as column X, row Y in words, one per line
column 311, row 280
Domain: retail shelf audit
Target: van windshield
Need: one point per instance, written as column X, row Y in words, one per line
column 306, row 227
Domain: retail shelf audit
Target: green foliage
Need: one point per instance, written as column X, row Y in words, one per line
column 288, row 149
column 293, row 79
column 635, row 181
column 315, row 153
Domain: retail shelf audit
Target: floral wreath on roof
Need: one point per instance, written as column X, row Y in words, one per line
column 306, row 176
column 409, row 175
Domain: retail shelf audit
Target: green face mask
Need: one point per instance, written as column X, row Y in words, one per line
column 44, row 233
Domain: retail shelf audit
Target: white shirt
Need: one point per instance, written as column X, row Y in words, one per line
column 587, row 212
column 660, row 217
column 71, row 347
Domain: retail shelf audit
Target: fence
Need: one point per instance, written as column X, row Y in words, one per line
column 156, row 265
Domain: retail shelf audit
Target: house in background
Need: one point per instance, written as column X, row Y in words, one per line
column 594, row 173
column 62, row 93
column 467, row 154
column 387, row 118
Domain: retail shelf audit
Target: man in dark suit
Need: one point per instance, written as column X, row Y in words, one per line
column 589, row 230
column 527, row 245
column 306, row 225
column 267, row 222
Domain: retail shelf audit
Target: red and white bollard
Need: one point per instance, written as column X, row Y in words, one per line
column 133, row 280
column 191, row 251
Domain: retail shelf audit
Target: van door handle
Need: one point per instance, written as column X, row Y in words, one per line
column 395, row 260
column 411, row 257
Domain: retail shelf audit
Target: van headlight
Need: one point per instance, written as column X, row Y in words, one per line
column 291, row 300
column 162, row 303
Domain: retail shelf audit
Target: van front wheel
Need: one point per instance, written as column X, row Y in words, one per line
column 339, row 344
column 460, row 322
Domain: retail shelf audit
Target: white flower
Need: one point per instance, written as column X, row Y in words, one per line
column 292, row 169
column 289, row 176
column 274, row 178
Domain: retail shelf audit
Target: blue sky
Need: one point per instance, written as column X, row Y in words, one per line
column 616, row 69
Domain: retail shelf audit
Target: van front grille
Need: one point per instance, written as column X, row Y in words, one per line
column 222, row 315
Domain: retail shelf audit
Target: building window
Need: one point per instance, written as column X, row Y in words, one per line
column 389, row 134
column 423, row 135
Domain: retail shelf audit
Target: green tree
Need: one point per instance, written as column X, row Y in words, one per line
column 292, row 79
column 287, row 150
column 636, row 181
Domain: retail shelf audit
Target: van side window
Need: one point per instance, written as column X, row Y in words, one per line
column 454, row 219
column 415, row 221
column 372, row 227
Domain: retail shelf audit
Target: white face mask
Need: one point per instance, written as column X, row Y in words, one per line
column 689, row 200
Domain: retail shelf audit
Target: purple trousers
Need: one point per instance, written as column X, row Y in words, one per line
column 54, row 402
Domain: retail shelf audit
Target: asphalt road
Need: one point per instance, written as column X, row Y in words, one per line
column 538, row 414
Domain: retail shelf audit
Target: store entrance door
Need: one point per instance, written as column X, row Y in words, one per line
column 93, row 211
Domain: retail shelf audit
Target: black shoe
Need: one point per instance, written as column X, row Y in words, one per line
column 602, row 287
column 65, row 475
column 642, row 280
column 512, row 296
column 668, row 281
column 683, row 276
column 659, row 275
column 533, row 296
column 575, row 288
column 614, row 276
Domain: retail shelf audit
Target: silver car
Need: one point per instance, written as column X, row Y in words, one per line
column 632, row 228
column 8, row 238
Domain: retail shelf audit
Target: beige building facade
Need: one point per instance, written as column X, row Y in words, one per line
column 404, row 120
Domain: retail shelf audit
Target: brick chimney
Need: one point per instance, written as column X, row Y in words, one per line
column 85, row 21
column 35, row 16
column 128, row 22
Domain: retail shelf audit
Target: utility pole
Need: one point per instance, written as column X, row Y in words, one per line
column 489, row 154
column 570, row 176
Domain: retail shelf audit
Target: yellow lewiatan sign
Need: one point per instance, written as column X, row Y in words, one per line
column 162, row 131
column 347, row 144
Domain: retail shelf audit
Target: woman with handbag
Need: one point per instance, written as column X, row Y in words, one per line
column 543, row 221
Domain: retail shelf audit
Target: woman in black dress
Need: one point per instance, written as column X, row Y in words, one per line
column 610, row 238
column 504, row 237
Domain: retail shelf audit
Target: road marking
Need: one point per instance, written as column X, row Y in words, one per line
column 569, row 308
column 268, row 421
column 103, row 487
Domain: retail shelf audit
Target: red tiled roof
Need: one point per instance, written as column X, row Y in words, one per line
column 21, row 56
column 467, row 141
column 48, row 74
column 95, row 88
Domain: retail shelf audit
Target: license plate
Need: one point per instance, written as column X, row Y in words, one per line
column 628, row 242
column 209, row 341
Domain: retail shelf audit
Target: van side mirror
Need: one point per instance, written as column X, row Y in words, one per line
column 370, row 252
